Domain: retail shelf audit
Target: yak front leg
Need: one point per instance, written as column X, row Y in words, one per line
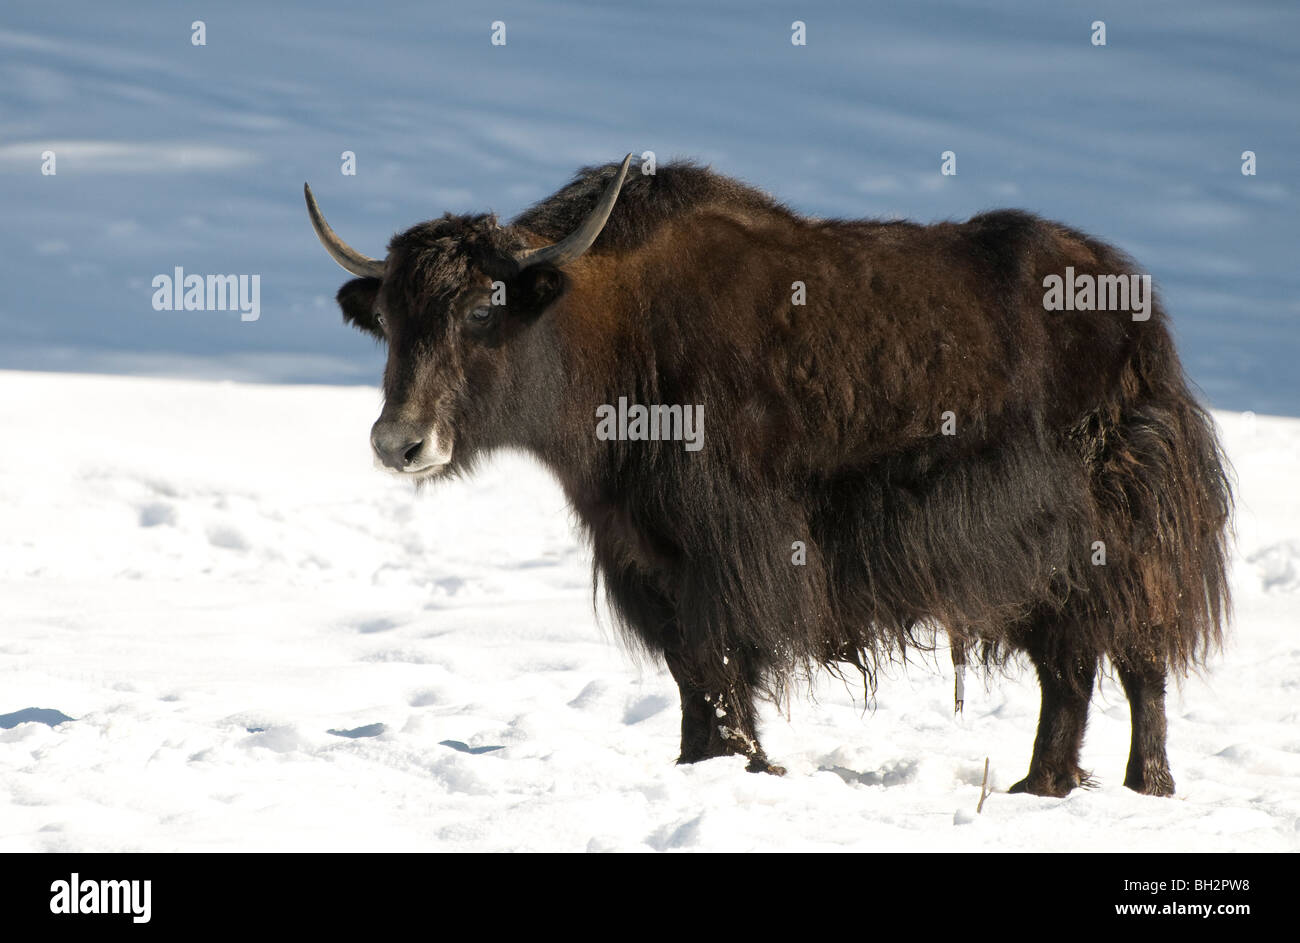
column 718, row 716
column 1066, row 676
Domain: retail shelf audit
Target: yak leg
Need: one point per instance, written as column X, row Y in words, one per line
column 1066, row 676
column 1148, row 764
column 718, row 716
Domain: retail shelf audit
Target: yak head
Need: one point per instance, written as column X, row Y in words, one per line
column 454, row 301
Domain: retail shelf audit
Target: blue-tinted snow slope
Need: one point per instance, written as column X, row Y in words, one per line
column 172, row 155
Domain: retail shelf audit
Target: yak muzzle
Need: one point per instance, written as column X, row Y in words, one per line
column 407, row 448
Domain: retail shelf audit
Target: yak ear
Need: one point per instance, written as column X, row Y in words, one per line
column 539, row 286
column 357, row 299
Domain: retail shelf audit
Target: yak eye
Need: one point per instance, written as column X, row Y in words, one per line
column 381, row 321
column 481, row 314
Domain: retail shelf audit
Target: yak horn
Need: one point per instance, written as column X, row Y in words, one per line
column 580, row 240
column 342, row 253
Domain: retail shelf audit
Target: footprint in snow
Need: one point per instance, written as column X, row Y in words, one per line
column 466, row 748
column 228, row 538
column 156, row 513
column 898, row 774
column 33, row 715
column 643, row 708
column 369, row 730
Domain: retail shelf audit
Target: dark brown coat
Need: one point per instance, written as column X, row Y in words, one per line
column 824, row 427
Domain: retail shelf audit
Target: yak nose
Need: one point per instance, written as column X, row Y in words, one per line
column 398, row 444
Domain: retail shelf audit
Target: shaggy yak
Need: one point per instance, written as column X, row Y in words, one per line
column 904, row 436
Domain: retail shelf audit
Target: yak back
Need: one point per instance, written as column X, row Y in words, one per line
column 825, row 345
column 833, row 359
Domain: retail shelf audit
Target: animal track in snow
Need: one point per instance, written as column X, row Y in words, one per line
column 156, row 513
column 643, row 708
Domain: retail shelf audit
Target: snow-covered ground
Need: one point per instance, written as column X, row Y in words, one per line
column 210, row 577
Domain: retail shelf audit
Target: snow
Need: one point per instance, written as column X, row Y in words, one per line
column 266, row 644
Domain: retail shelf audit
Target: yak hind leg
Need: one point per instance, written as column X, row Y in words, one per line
column 718, row 715
column 1066, row 677
column 1143, row 678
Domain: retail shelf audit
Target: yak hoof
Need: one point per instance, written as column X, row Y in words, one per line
column 1157, row 782
column 757, row 764
column 760, row 764
column 1054, row 784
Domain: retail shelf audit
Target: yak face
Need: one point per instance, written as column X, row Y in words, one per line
column 451, row 307
column 453, row 300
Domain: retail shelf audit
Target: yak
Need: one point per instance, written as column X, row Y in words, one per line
column 904, row 437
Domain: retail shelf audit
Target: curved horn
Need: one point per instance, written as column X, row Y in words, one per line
column 340, row 251
column 580, row 240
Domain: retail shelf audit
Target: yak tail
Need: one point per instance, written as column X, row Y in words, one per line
column 1164, row 495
